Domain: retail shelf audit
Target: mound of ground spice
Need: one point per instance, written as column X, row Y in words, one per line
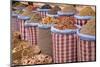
column 87, row 11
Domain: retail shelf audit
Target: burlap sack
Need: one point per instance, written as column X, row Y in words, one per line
column 45, row 41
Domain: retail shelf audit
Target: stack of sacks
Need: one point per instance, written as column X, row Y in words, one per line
column 86, row 42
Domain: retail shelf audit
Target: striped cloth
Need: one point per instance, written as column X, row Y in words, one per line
column 64, row 48
column 43, row 13
column 81, row 22
column 14, row 24
column 31, row 34
column 22, row 29
column 27, row 33
column 86, row 50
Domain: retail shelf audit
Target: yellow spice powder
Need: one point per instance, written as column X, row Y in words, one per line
column 87, row 11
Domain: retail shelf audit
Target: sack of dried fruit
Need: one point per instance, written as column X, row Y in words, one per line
column 64, row 37
column 87, row 42
column 84, row 15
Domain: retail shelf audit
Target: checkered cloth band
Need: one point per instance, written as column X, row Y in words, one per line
column 86, row 50
column 43, row 13
column 22, row 29
column 64, row 48
column 28, row 33
column 14, row 24
column 31, row 34
column 81, row 22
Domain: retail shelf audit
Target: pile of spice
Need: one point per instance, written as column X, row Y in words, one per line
column 66, row 23
column 46, row 6
column 25, row 53
column 68, row 9
column 54, row 10
column 29, row 8
column 50, row 20
column 37, row 59
column 35, row 17
column 27, row 13
column 19, row 5
column 89, row 28
column 87, row 11
column 64, row 19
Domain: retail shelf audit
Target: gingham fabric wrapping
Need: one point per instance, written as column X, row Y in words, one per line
column 31, row 34
column 86, row 50
column 22, row 29
column 43, row 13
column 64, row 48
column 81, row 22
column 14, row 24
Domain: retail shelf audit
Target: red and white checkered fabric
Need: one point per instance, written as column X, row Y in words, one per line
column 22, row 29
column 31, row 34
column 43, row 13
column 64, row 48
column 86, row 50
column 28, row 33
column 81, row 22
column 14, row 24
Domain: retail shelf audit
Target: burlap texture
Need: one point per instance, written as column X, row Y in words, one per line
column 45, row 41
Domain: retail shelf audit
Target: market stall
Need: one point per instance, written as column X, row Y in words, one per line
column 46, row 33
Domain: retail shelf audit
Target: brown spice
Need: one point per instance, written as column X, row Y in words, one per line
column 89, row 28
column 87, row 11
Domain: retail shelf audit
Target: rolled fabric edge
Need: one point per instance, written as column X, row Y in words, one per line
column 66, row 31
column 66, row 13
column 83, row 17
column 27, row 23
column 23, row 17
column 85, row 36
